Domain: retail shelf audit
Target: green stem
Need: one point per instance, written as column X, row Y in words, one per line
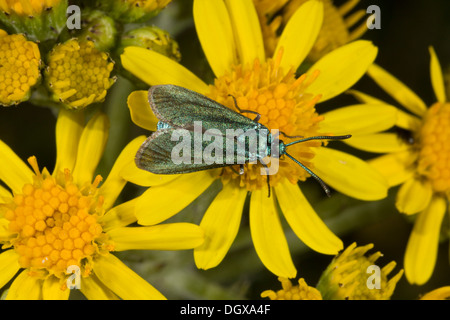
column 115, row 106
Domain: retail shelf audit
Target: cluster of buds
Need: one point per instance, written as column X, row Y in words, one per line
column 72, row 48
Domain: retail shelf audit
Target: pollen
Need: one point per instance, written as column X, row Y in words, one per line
column 78, row 74
column 290, row 292
column 434, row 154
column 282, row 103
column 52, row 231
column 20, row 62
column 27, row 8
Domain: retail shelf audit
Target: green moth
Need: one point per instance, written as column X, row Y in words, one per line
column 196, row 133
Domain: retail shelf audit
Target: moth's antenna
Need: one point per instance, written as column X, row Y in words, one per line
column 320, row 138
column 315, row 176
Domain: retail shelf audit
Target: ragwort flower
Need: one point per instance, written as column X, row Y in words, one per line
column 420, row 164
column 231, row 39
column 338, row 29
column 353, row 276
column 289, row 292
column 78, row 74
column 50, row 222
column 20, row 62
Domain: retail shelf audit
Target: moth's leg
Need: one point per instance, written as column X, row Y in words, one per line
column 258, row 116
column 268, row 176
column 241, row 169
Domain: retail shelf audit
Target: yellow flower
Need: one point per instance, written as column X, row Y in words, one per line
column 337, row 30
column 231, row 39
column 50, row 222
column 353, row 276
column 20, row 62
column 420, row 164
column 442, row 293
column 78, row 74
column 27, row 7
column 300, row 292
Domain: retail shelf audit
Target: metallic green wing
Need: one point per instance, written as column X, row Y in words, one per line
column 180, row 107
column 159, row 154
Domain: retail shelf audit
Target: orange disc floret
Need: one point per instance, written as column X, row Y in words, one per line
column 56, row 224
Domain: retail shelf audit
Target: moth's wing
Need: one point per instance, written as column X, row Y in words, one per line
column 155, row 155
column 180, row 107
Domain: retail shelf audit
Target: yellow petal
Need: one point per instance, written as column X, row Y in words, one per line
column 114, row 184
column 341, row 68
column 304, row 221
column 145, row 178
column 268, row 236
column 119, row 216
column 91, row 147
column 9, row 266
column 5, row 234
column 170, row 236
column 413, row 196
column 69, row 127
column 5, row 195
column 365, row 98
column 300, row 34
column 247, row 31
column 349, row 175
column 437, row 80
column 407, row 121
column 221, row 223
column 123, row 281
column 359, row 119
column 13, row 171
column 140, row 111
column 93, row 289
column 154, row 68
column 215, row 33
column 422, row 248
column 25, row 287
column 397, row 90
column 395, row 167
column 442, row 293
column 51, row 290
column 378, row 143
column 157, row 203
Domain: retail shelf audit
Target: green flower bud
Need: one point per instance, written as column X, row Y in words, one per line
column 151, row 38
column 97, row 27
column 39, row 20
column 132, row 10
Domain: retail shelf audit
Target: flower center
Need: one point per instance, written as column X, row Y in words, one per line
column 78, row 73
column 434, row 155
column 19, row 67
column 281, row 101
column 56, row 224
column 27, row 8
